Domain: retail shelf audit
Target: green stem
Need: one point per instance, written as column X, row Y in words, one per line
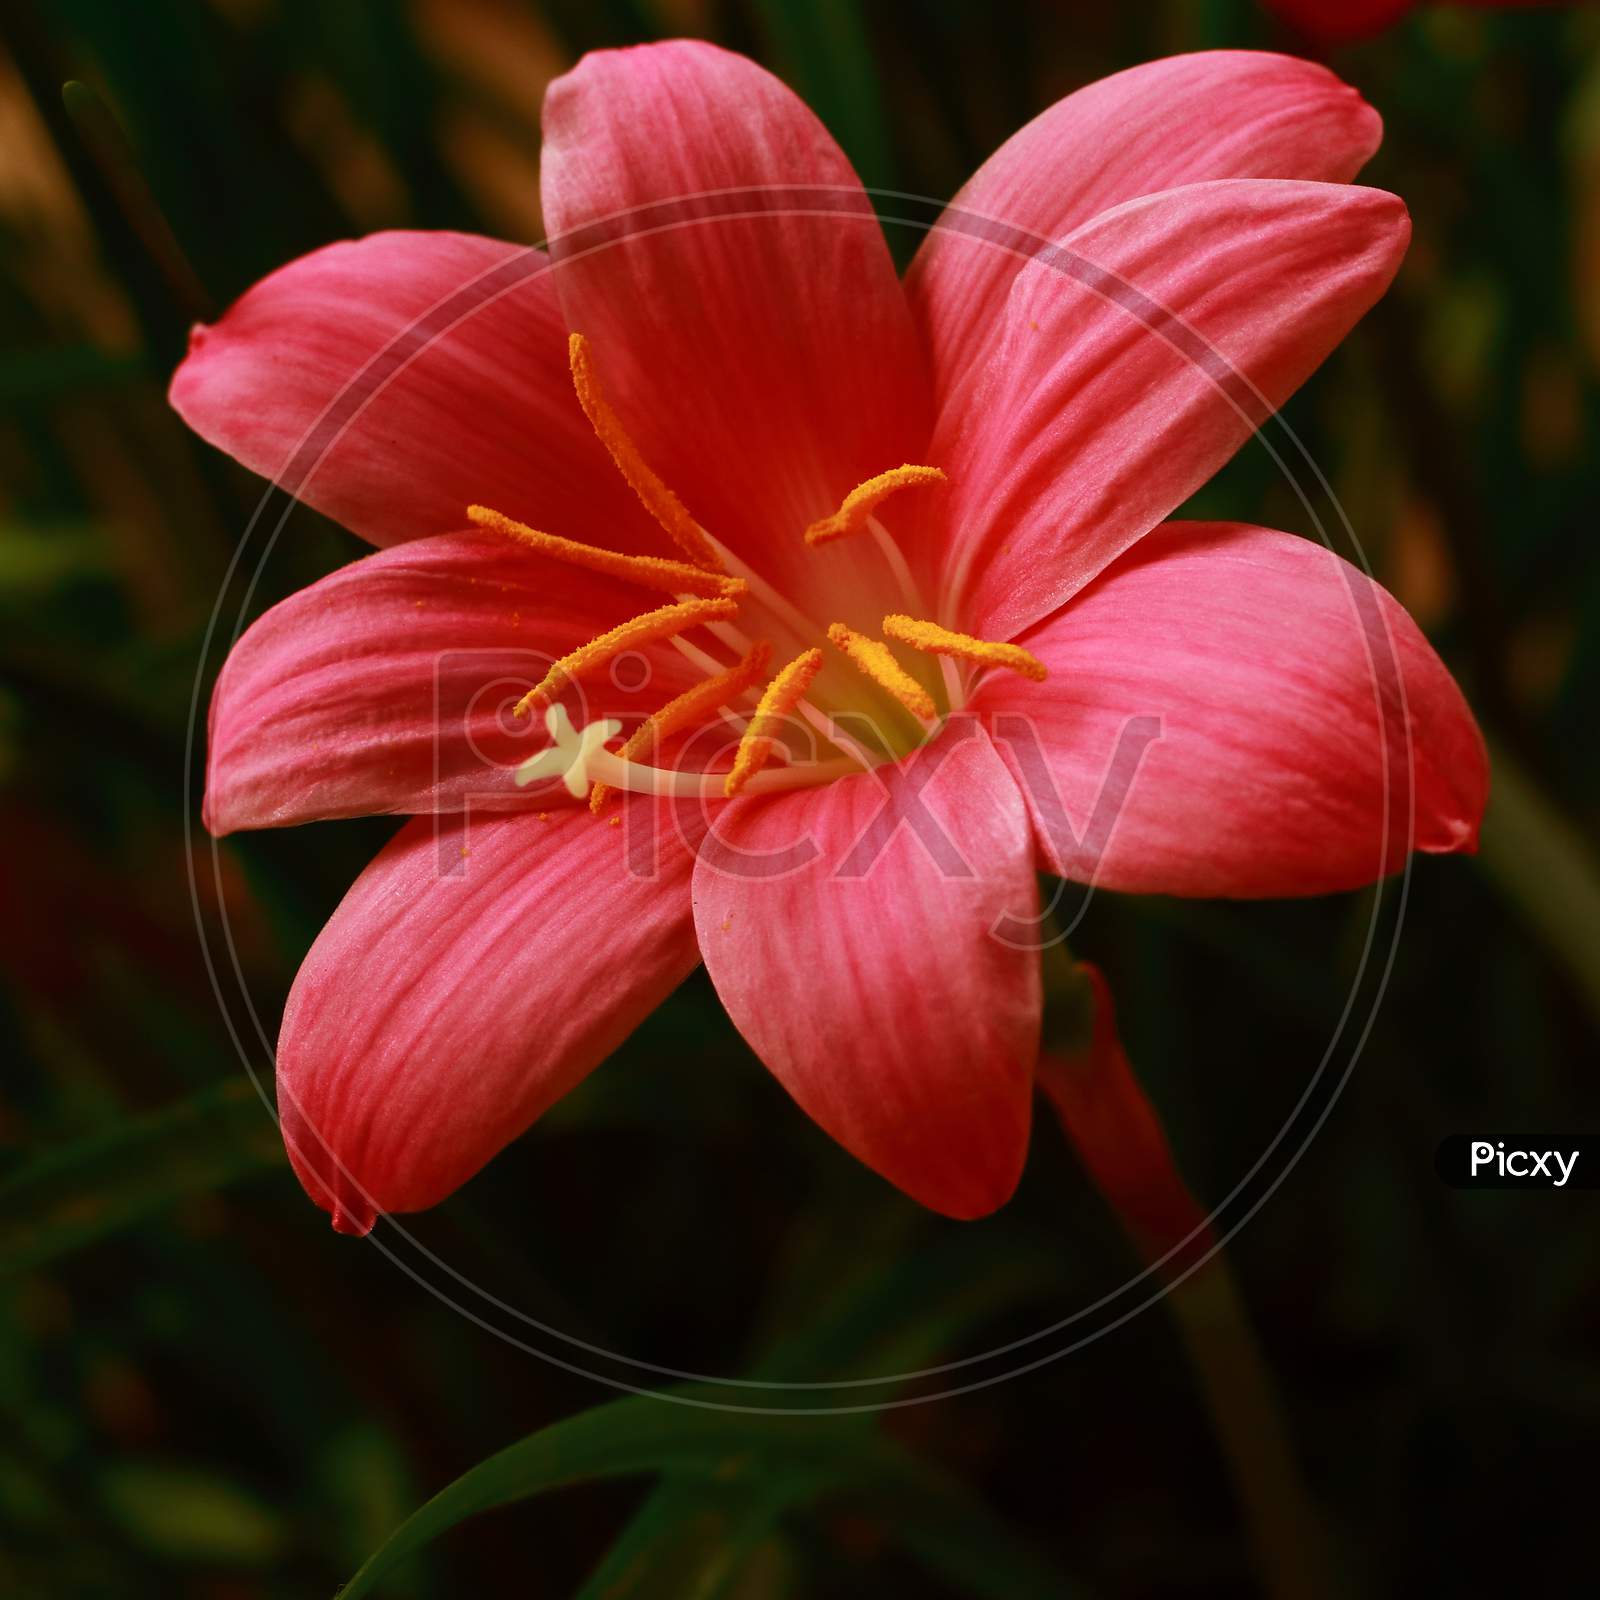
column 1114, row 1127
column 1285, row 1530
column 1546, row 870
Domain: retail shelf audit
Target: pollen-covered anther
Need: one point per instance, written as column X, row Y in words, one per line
column 657, row 498
column 939, row 641
column 652, row 572
column 877, row 661
column 865, row 498
column 629, row 635
column 688, row 710
column 778, row 700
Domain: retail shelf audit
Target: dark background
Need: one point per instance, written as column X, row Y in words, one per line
column 205, row 1392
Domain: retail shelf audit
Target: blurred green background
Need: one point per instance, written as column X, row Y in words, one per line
column 204, row 1392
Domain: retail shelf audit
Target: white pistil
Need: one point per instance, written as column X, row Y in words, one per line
column 573, row 754
column 829, row 729
column 579, row 758
column 895, row 557
column 709, row 665
column 803, row 626
column 736, row 639
column 611, row 770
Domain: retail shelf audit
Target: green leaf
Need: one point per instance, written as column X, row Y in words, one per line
column 697, row 1538
column 783, row 1457
column 901, row 1314
column 71, row 1197
column 624, row 1439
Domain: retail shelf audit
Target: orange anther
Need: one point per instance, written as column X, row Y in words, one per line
column 658, row 499
column 865, row 498
column 779, row 698
column 653, row 625
column 939, row 641
column 878, row 662
column 653, row 572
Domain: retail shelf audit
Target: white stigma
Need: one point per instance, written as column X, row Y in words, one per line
column 572, row 753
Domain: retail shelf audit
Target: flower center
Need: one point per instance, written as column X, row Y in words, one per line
column 813, row 720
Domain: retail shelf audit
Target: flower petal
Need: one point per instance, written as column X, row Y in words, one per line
column 386, row 686
column 1186, row 119
column 1131, row 367
column 1265, row 657
column 850, row 933
column 395, row 380
column 718, row 251
column 470, row 978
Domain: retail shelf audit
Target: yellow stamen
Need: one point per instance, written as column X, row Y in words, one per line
column 636, row 631
column 939, row 641
column 653, row 572
column 688, row 710
column 879, row 664
column 658, row 499
column 864, row 499
column 778, row 699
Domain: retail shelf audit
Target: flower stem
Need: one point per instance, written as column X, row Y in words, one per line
column 1291, row 1551
column 1110, row 1121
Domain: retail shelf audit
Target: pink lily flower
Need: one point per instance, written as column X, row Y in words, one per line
column 936, row 502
